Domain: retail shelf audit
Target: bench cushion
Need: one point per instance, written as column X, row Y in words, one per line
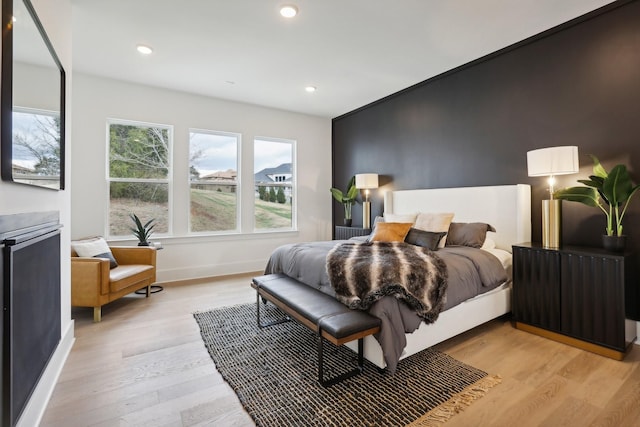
column 345, row 324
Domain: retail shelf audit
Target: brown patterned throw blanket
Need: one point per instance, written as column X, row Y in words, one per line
column 362, row 273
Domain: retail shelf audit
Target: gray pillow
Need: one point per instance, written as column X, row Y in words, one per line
column 426, row 239
column 470, row 234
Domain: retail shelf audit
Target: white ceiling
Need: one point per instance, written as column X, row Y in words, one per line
column 353, row 51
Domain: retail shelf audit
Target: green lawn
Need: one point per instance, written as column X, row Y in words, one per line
column 210, row 211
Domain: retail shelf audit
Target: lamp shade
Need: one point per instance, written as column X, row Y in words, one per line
column 366, row 181
column 553, row 161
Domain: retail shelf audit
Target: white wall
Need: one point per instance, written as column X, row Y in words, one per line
column 97, row 99
column 16, row 198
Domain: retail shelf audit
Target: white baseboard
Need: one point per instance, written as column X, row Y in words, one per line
column 34, row 410
column 178, row 274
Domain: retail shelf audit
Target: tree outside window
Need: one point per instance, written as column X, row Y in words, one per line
column 139, row 175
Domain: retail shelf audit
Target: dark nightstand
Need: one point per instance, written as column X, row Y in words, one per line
column 344, row 233
column 575, row 295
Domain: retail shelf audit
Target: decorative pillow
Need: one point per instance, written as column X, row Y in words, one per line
column 426, row 239
column 390, row 232
column 434, row 222
column 94, row 248
column 378, row 219
column 391, row 217
column 468, row 234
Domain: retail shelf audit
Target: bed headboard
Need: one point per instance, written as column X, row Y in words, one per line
column 506, row 207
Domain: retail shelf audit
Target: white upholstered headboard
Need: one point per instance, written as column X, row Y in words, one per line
column 505, row 207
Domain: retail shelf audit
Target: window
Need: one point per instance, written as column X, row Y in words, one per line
column 274, row 184
column 213, row 181
column 139, row 173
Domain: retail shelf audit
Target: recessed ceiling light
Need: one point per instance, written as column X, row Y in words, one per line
column 288, row 11
column 145, row 50
column 310, row 89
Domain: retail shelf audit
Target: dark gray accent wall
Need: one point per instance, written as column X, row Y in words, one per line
column 578, row 84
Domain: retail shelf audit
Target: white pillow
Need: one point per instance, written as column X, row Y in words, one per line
column 489, row 243
column 434, row 222
column 94, row 248
column 392, row 217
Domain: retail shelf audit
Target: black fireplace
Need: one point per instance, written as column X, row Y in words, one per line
column 31, row 328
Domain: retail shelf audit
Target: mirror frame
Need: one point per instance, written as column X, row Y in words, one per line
column 6, row 93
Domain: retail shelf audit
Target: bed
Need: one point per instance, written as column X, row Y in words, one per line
column 506, row 208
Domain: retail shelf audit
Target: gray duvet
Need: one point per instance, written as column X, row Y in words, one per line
column 470, row 272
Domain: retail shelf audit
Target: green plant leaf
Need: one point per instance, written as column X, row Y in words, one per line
column 337, row 194
column 593, row 181
column 598, row 169
column 617, row 187
column 142, row 232
column 586, row 195
column 352, row 193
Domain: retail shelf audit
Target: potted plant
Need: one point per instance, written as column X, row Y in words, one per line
column 347, row 199
column 611, row 192
column 142, row 232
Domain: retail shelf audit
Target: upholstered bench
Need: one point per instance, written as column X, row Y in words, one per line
column 321, row 313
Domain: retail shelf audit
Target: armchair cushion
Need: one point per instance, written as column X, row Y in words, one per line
column 95, row 247
column 127, row 275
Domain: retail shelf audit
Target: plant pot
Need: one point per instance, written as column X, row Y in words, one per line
column 614, row 243
column 347, row 222
column 143, row 244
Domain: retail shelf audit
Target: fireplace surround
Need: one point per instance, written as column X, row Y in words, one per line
column 31, row 326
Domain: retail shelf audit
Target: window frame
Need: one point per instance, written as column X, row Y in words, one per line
column 168, row 180
column 239, row 204
column 294, row 186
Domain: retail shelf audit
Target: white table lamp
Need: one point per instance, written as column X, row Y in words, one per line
column 366, row 182
column 550, row 162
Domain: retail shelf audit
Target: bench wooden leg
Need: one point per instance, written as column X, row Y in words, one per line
column 331, row 381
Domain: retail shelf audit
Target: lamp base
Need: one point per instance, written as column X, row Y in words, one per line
column 366, row 214
column 551, row 223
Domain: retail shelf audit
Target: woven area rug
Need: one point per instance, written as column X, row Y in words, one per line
column 274, row 373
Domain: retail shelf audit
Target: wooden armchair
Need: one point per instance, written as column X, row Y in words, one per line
column 94, row 284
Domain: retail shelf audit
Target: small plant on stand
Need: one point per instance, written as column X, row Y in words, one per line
column 142, row 232
column 610, row 192
column 348, row 198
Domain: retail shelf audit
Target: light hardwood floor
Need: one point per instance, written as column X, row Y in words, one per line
column 145, row 365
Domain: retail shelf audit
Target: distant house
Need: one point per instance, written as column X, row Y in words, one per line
column 225, row 181
column 229, row 175
column 280, row 173
column 279, row 176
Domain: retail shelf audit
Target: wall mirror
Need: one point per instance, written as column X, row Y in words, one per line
column 32, row 101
